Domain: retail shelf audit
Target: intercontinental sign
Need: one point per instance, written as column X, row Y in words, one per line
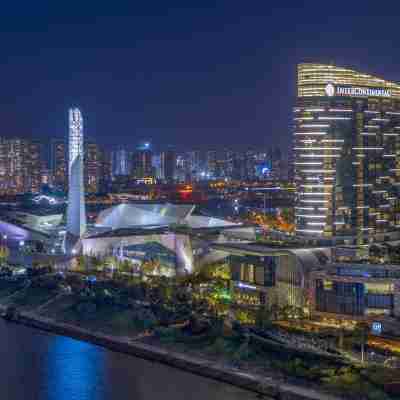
column 354, row 91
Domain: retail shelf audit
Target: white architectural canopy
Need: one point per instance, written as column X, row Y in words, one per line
column 134, row 215
column 142, row 215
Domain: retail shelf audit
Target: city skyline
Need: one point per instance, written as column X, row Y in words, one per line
column 212, row 187
column 163, row 77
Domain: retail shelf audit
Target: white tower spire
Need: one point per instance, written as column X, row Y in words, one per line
column 76, row 216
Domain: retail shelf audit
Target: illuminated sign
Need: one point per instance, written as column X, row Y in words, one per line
column 354, row 91
column 376, row 328
column 330, row 90
column 246, row 286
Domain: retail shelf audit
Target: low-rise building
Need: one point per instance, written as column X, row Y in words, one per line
column 356, row 291
column 272, row 275
column 164, row 231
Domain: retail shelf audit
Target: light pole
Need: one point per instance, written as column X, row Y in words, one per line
column 265, row 204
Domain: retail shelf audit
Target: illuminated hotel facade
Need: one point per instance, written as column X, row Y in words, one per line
column 346, row 155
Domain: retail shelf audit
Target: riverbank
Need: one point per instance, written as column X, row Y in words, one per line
column 188, row 334
column 252, row 382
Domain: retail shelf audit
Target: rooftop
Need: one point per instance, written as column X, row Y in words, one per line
column 313, row 77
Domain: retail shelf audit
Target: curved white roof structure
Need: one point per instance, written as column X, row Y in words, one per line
column 200, row 221
column 134, row 215
column 154, row 215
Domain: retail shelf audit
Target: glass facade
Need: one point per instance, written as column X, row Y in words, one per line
column 340, row 298
column 253, row 269
column 346, row 153
column 354, row 298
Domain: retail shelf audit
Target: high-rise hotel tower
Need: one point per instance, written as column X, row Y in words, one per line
column 346, row 154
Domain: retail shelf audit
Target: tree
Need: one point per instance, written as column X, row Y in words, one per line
column 376, row 252
column 4, row 254
column 151, row 267
column 274, row 311
column 81, row 263
column 288, row 215
column 263, row 318
column 97, row 262
column 112, row 263
column 394, row 254
column 125, row 266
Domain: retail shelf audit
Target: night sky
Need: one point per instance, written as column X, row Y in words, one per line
column 193, row 74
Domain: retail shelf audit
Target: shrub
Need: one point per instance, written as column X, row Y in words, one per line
column 380, row 376
column 244, row 353
column 219, row 347
column 144, row 319
column 351, row 381
column 167, row 335
column 86, row 308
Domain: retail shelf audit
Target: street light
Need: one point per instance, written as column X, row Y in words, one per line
column 265, row 204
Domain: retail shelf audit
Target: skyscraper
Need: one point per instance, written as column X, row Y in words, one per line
column 194, row 165
column 76, row 217
column 120, row 162
column 93, row 167
column 142, row 161
column 20, row 166
column 106, row 168
column 59, row 163
column 16, row 152
column 156, row 165
column 168, row 165
column 346, row 158
column 211, row 163
column 34, row 166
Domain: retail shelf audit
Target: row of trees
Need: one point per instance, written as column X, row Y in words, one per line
column 282, row 222
column 385, row 253
column 115, row 265
column 4, row 254
column 206, row 290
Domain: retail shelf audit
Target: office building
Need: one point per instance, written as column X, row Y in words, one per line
column 142, row 162
column 182, row 173
column 33, row 164
column 93, row 167
column 194, row 166
column 356, row 291
column 346, row 158
column 58, row 163
column 20, row 166
column 45, row 174
column 120, row 162
column 168, row 165
column 211, row 163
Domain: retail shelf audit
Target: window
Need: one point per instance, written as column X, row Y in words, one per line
column 247, row 273
column 328, row 285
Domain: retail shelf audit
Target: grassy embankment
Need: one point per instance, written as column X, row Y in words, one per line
column 129, row 308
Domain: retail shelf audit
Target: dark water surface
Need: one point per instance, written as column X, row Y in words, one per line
column 40, row 366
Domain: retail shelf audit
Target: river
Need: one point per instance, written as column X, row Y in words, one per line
column 41, row 366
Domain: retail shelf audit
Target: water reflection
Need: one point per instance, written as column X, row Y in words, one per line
column 40, row 366
column 74, row 370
